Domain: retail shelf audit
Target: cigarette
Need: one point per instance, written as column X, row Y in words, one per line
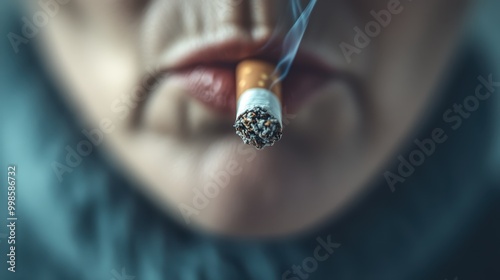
column 258, row 110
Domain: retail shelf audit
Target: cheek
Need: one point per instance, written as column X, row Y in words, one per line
column 329, row 123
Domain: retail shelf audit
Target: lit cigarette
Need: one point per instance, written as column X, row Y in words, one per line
column 258, row 110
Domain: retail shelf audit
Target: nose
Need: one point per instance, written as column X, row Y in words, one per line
column 261, row 19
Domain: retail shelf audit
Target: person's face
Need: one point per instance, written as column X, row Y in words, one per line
column 125, row 61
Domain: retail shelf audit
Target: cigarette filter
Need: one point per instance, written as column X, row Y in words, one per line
column 258, row 94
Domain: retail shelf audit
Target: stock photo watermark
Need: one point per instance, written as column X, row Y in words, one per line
column 309, row 265
column 122, row 107
column 11, row 216
column 454, row 117
column 363, row 37
column 221, row 179
column 47, row 9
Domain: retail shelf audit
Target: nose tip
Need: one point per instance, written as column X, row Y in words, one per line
column 261, row 19
column 267, row 16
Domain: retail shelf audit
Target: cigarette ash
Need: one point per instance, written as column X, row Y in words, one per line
column 258, row 128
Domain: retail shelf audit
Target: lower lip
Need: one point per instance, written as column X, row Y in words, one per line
column 215, row 86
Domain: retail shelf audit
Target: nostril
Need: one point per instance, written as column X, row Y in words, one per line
column 232, row 11
column 273, row 20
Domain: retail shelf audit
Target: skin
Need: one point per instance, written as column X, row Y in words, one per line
column 170, row 143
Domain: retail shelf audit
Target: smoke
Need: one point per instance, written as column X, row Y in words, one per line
column 293, row 37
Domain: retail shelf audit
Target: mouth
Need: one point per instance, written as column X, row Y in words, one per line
column 209, row 74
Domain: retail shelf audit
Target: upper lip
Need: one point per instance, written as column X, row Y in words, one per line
column 232, row 51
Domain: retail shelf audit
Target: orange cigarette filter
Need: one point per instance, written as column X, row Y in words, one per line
column 258, row 94
column 257, row 74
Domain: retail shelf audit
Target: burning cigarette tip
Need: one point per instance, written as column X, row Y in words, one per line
column 258, row 118
column 258, row 128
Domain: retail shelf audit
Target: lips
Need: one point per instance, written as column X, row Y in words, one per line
column 208, row 74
